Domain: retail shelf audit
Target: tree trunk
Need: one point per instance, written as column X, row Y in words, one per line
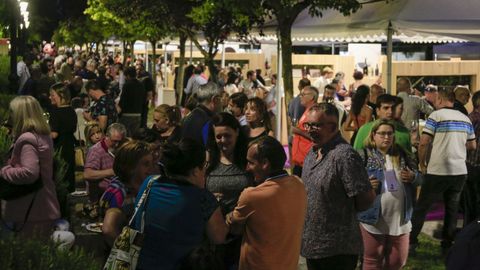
column 181, row 69
column 154, row 69
column 286, row 42
column 132, row 51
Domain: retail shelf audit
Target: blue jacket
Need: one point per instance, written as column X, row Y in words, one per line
column 374, row 163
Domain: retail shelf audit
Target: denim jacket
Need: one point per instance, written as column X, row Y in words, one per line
column 374, row 163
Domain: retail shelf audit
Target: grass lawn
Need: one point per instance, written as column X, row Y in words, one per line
column 428, row 255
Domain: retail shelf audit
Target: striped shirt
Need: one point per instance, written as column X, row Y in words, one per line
column 473, row 156
column 450, row 130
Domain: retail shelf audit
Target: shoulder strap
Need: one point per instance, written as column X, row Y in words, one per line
column 142, row 201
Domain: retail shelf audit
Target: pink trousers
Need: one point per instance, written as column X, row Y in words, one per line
column 384, row 251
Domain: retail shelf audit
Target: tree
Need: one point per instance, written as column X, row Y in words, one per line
column 218, row 19
column 285, row 12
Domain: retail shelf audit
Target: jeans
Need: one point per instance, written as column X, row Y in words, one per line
column 337, row 262
column 434, row 187
column 384, row 251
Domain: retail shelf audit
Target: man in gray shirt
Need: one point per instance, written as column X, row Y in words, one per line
column 337, row 187
column 412, row 105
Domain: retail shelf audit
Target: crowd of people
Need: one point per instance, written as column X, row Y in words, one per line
column 217, row 193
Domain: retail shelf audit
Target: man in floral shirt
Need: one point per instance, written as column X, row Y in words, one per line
column 103, row 111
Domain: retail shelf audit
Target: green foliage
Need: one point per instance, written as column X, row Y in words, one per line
column 36, row 254
column 4, row 72
column 428, row 255
column 5, row 144
column 60, row 170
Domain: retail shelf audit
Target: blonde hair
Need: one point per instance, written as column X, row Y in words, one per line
column 369, row 142
column 63, row 92
column 27, row 116
column 394, row 151
column 172, row 113
column 90, row 127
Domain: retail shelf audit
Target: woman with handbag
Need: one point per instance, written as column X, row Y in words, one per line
column 179, row 210
column 31, row 161
column 133, row 163
column 386, row 226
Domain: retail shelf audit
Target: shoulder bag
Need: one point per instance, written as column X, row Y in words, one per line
column 126, row 248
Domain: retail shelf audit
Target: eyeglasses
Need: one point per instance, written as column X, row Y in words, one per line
column 316, row 126
column 384, row 134
column 302, row 94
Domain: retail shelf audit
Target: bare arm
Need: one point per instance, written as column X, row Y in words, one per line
column 471, row 145
column 102, row 121
column 347, row 126
column 113, row 223
column 217, row 229
column 364, row 200
column 424, row 145
column 91, row 174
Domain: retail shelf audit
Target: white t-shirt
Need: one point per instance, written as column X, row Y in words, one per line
column 450, row 130
column 390, row 221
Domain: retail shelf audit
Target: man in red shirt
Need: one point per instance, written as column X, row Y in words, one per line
column 301, row 140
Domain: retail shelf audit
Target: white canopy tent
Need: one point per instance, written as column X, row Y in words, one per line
column 404, row 20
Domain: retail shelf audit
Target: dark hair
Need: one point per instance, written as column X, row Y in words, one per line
column 385, row 98
column 327, row 108
column 268, row 148
column 359, row 98
column 127, row 157
column 92, row 85
column 182, row 157
column 261, row 108
column 101, row 70
column 130, row 72
column 146, row 135
column 76, row 103
column 476, row 99
column 224, row 119
column 358, row 75
column 232, row 77
column 303, row 83
column 330, row 87
column 250, row 73
column 239, row 99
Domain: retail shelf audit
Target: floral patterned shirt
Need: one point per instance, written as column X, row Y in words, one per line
column 105, row 106
column 332, row 181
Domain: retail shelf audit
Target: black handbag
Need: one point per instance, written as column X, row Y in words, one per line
column 9, row 191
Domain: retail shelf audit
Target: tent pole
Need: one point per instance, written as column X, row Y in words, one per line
column 279, row 86
column 191, row 52
column 333, row 48
column 223, row 55
column 389, row 57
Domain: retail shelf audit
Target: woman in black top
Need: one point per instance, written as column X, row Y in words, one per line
column 166, row 120
column 63, row 123
column 226, row 175
column 258, row 119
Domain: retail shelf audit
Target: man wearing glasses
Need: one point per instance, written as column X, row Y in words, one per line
column 99, row 161
column 337, row 188
column 301, row 140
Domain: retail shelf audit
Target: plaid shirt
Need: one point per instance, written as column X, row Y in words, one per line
column 473, row 156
